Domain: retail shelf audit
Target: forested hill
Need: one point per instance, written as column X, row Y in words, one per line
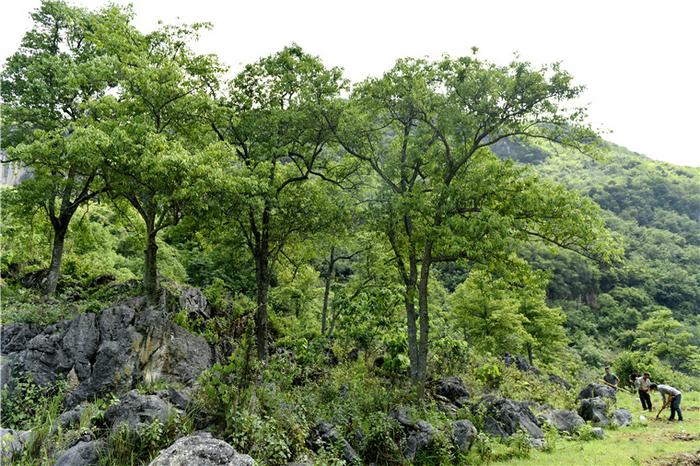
column 655, row 208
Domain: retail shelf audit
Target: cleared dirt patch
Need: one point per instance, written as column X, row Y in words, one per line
column 681, row 459
column 685, row 437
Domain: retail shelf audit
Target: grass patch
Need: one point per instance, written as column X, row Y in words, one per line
column 636, row 444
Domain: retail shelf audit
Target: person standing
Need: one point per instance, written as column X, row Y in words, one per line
column 643, row 385
column 674, row 399
column 610, row 378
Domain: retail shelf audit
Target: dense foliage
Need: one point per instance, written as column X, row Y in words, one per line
column 355, row 242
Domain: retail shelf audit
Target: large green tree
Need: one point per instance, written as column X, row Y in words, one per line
column 272, row 126
column 425, row 129
column 45, row 88
column 155, row 123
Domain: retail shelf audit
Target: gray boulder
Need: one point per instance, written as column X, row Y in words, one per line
column 594, row 410
column 324, row 434
column 622, row 417
column 598, row 433
column 419, row 438
column 401, row 416
column 463, row 435
column 201, row 449
column 137, row 411
column 82, row 454
column 563, row 420
column 593, row 390
column 453, row 389
column 505, row 417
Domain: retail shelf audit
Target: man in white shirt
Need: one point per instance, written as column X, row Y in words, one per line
column 674, row 397
column 643, row 385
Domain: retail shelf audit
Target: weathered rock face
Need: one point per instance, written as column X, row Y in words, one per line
column 82, row 454
column 593, row 390
column 594, row 410
column 137, row 411
column 325, row 434
column 506, row 417
column 463, row 435
column 622, row 417
column 563, row 420
column 124, row 345
column 201, row 449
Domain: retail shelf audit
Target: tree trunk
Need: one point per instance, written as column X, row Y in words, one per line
column 262, row 282
column 150, row 270
column 529, row 354
column 424, row 319
column 59, row 238
column 326, row 292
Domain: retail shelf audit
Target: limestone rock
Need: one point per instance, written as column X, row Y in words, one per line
column 463, row 435
column 82, row 454
column 137, row 411
column 201, row 449
column 563, row 420
column 505, row 417
column 594, row 410
column 622, row 417
column 453, row 389
column 326, row 434
column 593, row 390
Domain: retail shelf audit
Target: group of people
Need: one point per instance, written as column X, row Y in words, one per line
column 671, row 396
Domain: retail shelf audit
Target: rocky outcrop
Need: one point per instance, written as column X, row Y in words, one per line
column 593, row 390
column 325, row 434
column 463, row 435
column 137, row 411
column 201, row 449
column 126, row 344
column 594, row 410
column 505, row 417
column 622, row 417
column 563, row 420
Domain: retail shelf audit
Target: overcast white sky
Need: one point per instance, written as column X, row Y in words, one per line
column 638, row 59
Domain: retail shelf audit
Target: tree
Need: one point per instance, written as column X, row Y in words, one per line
column 271, row 123
column 46, row 126
column 425, row 129
column 665, row 337
column 158, row 161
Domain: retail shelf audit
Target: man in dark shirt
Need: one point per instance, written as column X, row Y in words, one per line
column 610, row 378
